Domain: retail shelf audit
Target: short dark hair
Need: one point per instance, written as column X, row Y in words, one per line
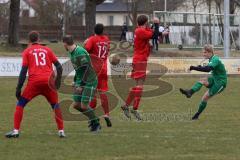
column 98, row 29
column 33, row 36
column 68, row 39
column 142, row 19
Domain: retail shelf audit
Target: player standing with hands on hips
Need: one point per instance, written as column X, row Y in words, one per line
column 37, row 60
column 142, row 48
column 215, row 83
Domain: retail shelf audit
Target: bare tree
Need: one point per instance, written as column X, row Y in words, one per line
column 134, row 7
column 90, row 15
column 13, row 22
column 195, row 5
column 49, row 11
column 209, row 5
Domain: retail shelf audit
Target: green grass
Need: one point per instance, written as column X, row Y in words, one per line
column 214, row 137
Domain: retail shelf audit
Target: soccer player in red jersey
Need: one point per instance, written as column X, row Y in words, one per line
column 37, row 60
column 142, row 48
column 98, row 47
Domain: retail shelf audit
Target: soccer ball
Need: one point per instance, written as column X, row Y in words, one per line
column 114, row 59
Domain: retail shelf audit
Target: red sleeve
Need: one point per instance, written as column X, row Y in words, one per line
column 146, row 33
column 25, row 58
column 89, row 45
column 52, row 56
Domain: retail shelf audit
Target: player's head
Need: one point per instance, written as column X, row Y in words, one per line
column 68, row 41
column 142, row 20
column 98, row 29
column 156, row 20
column 208, row 51
column 33, row 37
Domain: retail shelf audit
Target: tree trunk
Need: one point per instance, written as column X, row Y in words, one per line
column 210, row 20
column 90, row 17
column 13, row 22
column 135, row 13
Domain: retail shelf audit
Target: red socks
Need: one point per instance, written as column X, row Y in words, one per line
column 137, row 98
column 93, row 103
column 18, row 117
column 135, row 94
column 104, row 103
column 130, row 96
column 58, row 118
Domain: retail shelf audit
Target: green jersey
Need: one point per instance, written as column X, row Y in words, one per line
column 81, row 62
column 219, row 72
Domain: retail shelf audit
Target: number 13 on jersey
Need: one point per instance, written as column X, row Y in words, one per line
column 40, row 58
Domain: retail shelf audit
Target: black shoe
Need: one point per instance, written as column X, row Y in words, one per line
column 136, row 114
column 90, row 123
column 187, row 93
column 126, row 111
column 108, row 122
column 96, row 127
column 195, row 117
column 12, row 134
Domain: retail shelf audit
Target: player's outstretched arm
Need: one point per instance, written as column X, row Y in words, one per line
column 59, row 74
column 21, row 80
column 201, row 68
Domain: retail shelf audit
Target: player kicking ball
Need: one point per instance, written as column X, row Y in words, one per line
column 85, row 81
column 143, row 34
column 37, row 60
column 98, row 46
column 215, row 83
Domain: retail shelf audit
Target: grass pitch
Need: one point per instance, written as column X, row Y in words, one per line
column 167, row 135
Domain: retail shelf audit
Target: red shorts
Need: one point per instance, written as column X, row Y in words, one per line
column 34, row 89
column 102, row 83
column 139, row 70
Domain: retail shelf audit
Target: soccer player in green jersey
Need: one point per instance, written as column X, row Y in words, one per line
column 85, row 81
column 215, row 83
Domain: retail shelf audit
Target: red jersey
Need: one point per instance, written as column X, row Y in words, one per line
column 39, row 60
column 98, row 46
column 142, row 36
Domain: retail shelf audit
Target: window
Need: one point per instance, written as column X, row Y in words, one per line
column 111, row 20
column 25, row 13
column 108, row 1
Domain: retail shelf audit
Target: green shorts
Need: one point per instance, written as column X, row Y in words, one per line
column 215, row 87
column 86, row 95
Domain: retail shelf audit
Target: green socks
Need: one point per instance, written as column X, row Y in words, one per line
column 196, row 87
column 89, row 112
column 202, row 106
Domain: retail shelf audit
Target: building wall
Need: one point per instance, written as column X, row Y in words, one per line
column 117, row 18
column 25, row 6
